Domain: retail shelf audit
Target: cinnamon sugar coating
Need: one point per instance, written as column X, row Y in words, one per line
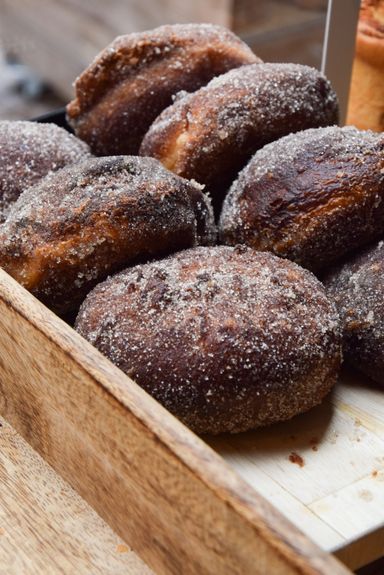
column 357, row 287
column 130, row 82
column 311, row 197
column 210, row 135
column 227, row 339
column 78, row 225
column 28, row 152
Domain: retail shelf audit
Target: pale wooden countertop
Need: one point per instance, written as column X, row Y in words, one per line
column 45, row 527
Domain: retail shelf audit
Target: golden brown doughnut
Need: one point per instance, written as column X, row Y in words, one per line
column 28, row 152
column 78, row 225
column 311, row 197
column 227, row 339
column 130, row 82
column 210, row 134
column 357, row 287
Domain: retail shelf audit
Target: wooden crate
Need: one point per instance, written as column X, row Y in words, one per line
column 181, row 505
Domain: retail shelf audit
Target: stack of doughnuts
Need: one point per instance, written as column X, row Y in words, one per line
column 228, row 337
column 210, row 134
column 84, row 222
column 130, row 82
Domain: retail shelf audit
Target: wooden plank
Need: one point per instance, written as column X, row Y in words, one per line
column 363, row 401
column 360, row 553
column 312, row 525
column 360, row 502
column 337, row 494
column 343, row 448
column 45, row 526
column 142, row 470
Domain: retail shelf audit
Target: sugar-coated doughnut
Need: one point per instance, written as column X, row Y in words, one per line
column 311, row 197
column 209, row 135
column 130, row 82
column 78, row 225
column 227, row 339
column 28, row 152
column 357, row 287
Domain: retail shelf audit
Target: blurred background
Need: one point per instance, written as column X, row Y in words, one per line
column 45, row 44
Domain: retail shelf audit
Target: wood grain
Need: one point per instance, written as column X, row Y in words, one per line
column 337, row 495
column 45, row 527
column 148, row 476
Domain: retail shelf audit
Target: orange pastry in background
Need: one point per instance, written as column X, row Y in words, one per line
column 366, row 101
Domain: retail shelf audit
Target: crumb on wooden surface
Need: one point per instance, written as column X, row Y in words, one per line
column 296, row 458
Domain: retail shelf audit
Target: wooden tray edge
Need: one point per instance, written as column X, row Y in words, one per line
column 171, row 497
